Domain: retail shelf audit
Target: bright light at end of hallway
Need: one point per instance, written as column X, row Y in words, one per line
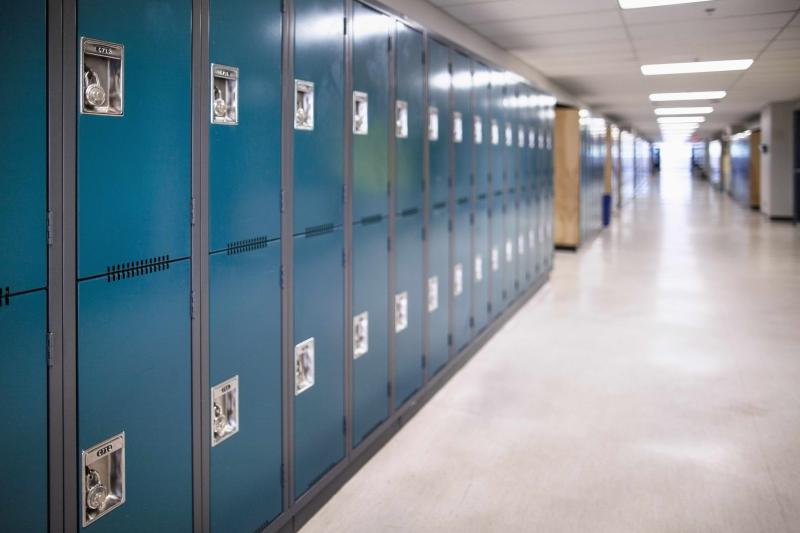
column 684, row 110
column 636, row 4
column 696, row 67
column 680, row 120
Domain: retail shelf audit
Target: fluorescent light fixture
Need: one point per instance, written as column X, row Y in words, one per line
column 680, row 120
column 636, row 4
column 697, row 95
column 684, row 110
column 696, row 66
column 678, row 127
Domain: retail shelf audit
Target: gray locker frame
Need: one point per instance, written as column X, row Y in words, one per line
column 62, row 263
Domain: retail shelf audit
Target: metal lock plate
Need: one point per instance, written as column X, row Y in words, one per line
column 478, row 268
column 509, row 135
column 458, row 127
column 360, row 334
column 103, row 478
column 530, row 239
column 495, row 132
column 521, row 244
column 401, row 119
column 224, row 95
column 303, row 366
column 303, row 105
column 102, row 77
column 541, row 141
column 509, row 251
column 477, row 129
column 224, row 410
column 549, row 141
column 360, row 113
column 458, row 279
column 433, row 294
column 433, row 124
column 531, row 138
column 400, row 311
column 520, row 137
column 495, row 259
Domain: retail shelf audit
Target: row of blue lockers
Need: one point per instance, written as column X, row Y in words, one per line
column 376, row 198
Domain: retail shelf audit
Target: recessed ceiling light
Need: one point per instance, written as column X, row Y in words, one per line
column 680, row 120
column 684, row 110
column 635, row 4
column 698, row 95
column 696, row 67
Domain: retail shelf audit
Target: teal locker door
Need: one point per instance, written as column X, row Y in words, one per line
column 481, row 128
column 134, row 376
column 409, row 77
column 23, row 377
column 438, row 289
column 462, row 124
column 370, row 324
column 481, row 266
column 510, row 251
column 245, row 343
column 134, row 170
column 409, row 286
column 23, row 137
column 439, row 84
column 462, row 273
column 319, row 379
column 497, row 254
column 245, row 153
column 319, row 145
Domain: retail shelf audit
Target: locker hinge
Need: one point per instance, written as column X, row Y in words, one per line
column 49, row 228
column 450, row 68
column 344, row 193
column 192, row 304
column 344, row 425
column 472, row 219
column 422, row 361
column 50, row 337
column 389, row 389
column 388, row 244
column 472, row 321
column 283, row 475
column 450, row 226
column 489, row 307
column 192, row 206
column 423, row 233
column 283, row 10
column 344, row 259
column 283, row 201
column 389, row 45
column 423, row 57
column 345, row 25
column 281, row 277
column 449, row 339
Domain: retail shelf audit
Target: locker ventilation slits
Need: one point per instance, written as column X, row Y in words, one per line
column 482, row 196
column 440, row 205
column 134, row 269
column 462, row 201
column 409, row 212
column 314, row 231
column 373, row 219
column 5, row 296
column 246, row 245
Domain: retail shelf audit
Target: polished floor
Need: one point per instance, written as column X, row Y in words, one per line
column 652, row 386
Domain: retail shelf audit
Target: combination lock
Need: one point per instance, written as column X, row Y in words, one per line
column 96, row 492
column 94, row 93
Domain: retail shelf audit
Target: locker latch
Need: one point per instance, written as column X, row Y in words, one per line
column 103, row 478
column 224, row 410
column 304, row 366
column 102, row 76
column 224, row 95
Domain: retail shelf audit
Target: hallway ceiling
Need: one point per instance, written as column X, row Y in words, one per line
column 594, row 49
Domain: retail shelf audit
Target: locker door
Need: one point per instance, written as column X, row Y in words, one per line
column 134, row 171
column 439, row 84
column 245, row 162
column 481, row 266
column 438, row 287
column 409, row 77
column 497, row 254
column 23, row 268
column 134, row 376
column 370, row 327
column 510, row 283
column 244, row 316
column 462, row 273
column 462, row 124
column 23, row 377
column 408, row 339
column 318, row 360
column 481, row 129
column 370, row 201
column 318, row 142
